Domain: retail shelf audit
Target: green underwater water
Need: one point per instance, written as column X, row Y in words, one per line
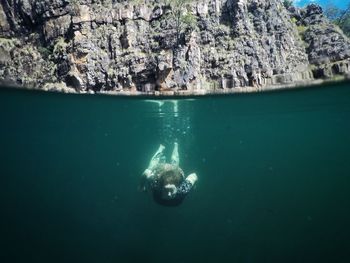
column 273, row 168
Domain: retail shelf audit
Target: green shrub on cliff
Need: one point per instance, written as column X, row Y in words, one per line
column 188, row 21
column 136, row 2
column 301, row 29
column 8, row 43
column 60, row 46
column 44, row 51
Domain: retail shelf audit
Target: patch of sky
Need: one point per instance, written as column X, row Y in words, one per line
column 339, row 3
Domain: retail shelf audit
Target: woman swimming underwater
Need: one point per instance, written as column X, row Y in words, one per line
column 166, row 181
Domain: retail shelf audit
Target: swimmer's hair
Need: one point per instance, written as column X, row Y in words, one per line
column 170, row 177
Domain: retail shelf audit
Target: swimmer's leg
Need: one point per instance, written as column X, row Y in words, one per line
column 175, row 155
column 157, row 158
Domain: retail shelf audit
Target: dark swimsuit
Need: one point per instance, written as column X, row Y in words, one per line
column 182, row 191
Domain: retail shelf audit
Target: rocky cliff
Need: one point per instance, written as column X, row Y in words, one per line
column 158, row 45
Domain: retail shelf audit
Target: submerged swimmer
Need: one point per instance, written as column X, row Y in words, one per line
column 167, row 181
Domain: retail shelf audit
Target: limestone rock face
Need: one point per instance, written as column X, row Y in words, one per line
column 325, row 42
column 327, row 47
column 139, row 45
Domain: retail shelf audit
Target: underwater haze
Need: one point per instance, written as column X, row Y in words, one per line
column 273, row 168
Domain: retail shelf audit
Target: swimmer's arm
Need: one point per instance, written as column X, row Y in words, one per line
column 187, row 185
column 192, row 178
column 146, row 176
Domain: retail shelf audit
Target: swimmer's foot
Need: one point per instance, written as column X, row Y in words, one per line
column 160, row 150
column 176, row 146
column 157, row 157
column 175, row 155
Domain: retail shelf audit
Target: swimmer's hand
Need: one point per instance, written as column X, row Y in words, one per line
column 148, row 173
column 172, row 189
column 192, row 178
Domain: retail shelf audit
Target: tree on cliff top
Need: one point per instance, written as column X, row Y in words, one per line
column 287, row 3
column 339, row 17
column 183, row 18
